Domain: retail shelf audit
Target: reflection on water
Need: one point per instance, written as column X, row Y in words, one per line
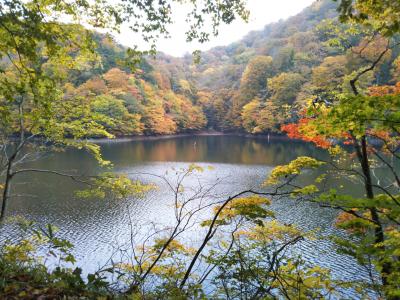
column 219, row 149
column 95, row 225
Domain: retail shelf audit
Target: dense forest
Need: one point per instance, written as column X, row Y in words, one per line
column 264, row 80
column 328, row 78
column 254, row 85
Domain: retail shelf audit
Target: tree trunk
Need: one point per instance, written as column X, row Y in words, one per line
column 362, row 155
column 6, row 191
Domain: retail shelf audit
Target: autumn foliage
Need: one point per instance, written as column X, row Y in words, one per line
column 130, row 104
column 304, row 130
column 385, row 90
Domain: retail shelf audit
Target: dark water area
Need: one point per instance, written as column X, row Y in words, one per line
column 96, row 226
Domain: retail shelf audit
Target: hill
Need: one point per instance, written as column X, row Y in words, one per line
column 253, row 85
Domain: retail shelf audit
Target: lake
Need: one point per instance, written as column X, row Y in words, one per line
column 95, row 226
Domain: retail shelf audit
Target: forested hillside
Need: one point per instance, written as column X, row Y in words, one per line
column 266, row 78
column 253, row 85
column 152, row 100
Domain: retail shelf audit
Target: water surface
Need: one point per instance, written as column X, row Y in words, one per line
column 96, row 226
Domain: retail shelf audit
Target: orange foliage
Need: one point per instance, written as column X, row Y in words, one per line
column 385, row 90
column 116, row 79
column 347, row 138
column 94, row 85
column 162, row 80
column 344, row 217
column 135, row 92
column 381, row 134
column 368, row 49
column 296, row 131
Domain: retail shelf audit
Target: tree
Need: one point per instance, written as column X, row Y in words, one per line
column 330, row 74
column 260, row 116
column 254, row 78
column 250, row 115
column 372, row 218
column 382, row 15
column 252, row 84
column 284, row 60
column 116, row 79
column 285, row 87
column 357, row 118
column 396, row 69
column 94, row 86
column 121, row 121
column 272, row 116
column 222, row 105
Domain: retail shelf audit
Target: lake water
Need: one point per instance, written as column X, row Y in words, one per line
column 95, row 226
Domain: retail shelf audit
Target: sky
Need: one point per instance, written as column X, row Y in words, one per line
column 262, row 12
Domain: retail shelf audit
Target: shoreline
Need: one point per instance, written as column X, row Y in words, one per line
column 274, row 136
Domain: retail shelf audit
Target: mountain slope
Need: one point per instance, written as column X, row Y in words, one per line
column 265, row 79
column 253, row 85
